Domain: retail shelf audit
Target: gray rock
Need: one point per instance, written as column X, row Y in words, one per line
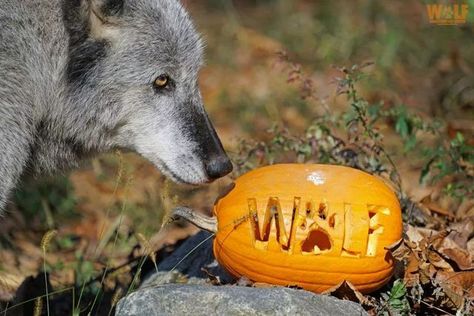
column 170, row 277
column 179, row 299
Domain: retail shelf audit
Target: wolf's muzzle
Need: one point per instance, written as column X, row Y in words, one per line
column 218, row 167
column 215, row 160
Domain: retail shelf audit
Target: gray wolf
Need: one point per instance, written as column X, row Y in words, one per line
column 80, row 77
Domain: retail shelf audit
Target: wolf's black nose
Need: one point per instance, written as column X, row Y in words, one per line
column 218, row 167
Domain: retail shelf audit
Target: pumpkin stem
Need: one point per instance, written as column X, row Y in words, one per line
column 201, row 221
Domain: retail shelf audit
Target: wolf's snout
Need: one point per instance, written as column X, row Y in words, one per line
column 218, row 167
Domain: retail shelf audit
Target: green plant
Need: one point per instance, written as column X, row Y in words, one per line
column 353, row 137
column 349, row 138
column 408, row 125
column 395, row 302
column 454, row 159
column 50, row 197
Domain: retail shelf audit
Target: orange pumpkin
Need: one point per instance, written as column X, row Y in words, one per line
column 308, row 225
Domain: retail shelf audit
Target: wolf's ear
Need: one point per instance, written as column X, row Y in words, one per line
column 104, row 17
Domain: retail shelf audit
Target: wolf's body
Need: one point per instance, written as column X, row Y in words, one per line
column 77, row 77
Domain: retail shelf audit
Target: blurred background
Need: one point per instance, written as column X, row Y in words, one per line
column 277, row 85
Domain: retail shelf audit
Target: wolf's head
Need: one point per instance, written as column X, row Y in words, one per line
column 137, row 62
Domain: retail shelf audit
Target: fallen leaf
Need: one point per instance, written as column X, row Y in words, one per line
column 466, row 209
column 213, row 279
column 412, row 276
column 8, row 285
column 399, row 250
column 448, row 243
column 413, row 264
column 460, row 232
column 437, row 239
column 417, row 234
column 427, row 271
column 434, row 207
column 470, row 247
column 346, row 291
column 457, row 285
column 244, row 281
column 438, row 261
column 460, row 257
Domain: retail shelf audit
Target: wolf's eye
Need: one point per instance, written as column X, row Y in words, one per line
column 162, row 81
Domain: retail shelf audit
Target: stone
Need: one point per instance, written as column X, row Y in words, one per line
column 182, row 286
column 191, row 299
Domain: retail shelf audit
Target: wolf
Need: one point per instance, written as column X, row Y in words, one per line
column 81, row 77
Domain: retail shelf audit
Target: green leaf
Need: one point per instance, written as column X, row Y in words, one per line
column 401, row 126
column 458, row 141
column 425, row 171
column 398, row 290
column 410, row 143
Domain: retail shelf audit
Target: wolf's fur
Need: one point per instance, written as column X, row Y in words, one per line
column 76, row 79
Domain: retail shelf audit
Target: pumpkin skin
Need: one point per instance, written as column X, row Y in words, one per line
column 312, row 226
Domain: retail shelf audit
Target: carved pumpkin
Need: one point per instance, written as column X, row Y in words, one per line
column 308, row 225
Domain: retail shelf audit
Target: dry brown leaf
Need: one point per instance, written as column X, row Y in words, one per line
column 412, row 277
column 8, row 284
column 438, row 261
column 448, row 243
column 399, row 250
column 417, row 235
column 244, row 281
column 466, row 209
column 461, row 231
column 412, row 280
column 457, row 285
column 427, row 272
column 428, row 203
column 346, row 291
column 436, row 241
column 470, row 247
column 413, row 264
column 460, row 257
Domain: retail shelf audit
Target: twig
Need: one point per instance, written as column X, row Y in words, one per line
column 201, row 221
column 431, row 306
